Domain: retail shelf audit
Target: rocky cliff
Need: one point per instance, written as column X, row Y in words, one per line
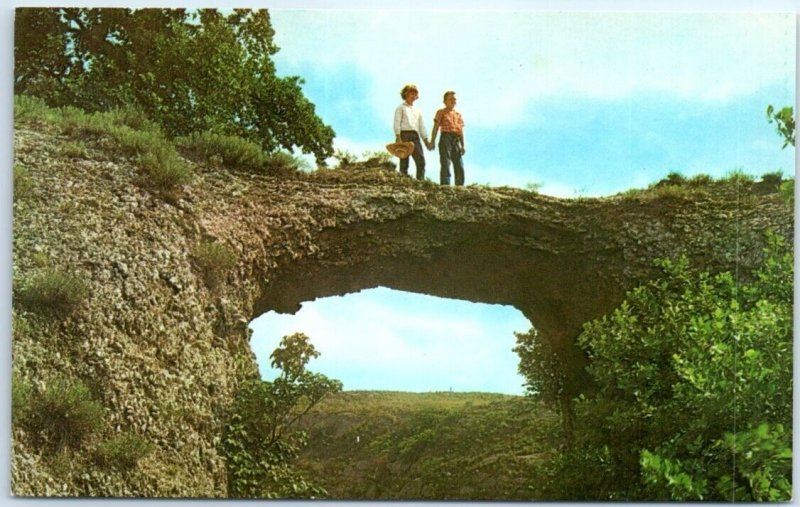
column 162, row 349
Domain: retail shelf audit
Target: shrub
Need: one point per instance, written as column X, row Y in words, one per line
column 164, row 170
column 787, row 191
column 533, row 187
column 739, row 177
column 21, row 392
column 64, row 414
column 54, row 292
column 236, row 153
column 673, row 178
column 73, row 150
column 22, row 181
column 214, row 260
column 772, row 178
column 700, row 180
column 122, row 452
column 27, row 107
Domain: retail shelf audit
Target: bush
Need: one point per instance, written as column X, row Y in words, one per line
column 55, row 293
column 236, row 153
column 64, row 414
column 132, row 134
column 21, row 392
column 673, row 178
column 73, row 150
column 214, row 260
column 658, row 423
column 700, row 180
column 739, row 177
column 787, row 191
column 122, row 452
column 22, row 182
column 27, row 107
column 773, row 178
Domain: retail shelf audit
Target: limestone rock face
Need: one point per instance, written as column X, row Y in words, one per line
column 163, row 351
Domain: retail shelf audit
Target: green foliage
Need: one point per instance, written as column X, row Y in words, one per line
column 130, row 134
column 215, row 260
column 699, row 180
column 738, row 176
column 673, row 178
column 787, row 191
column 773, row 178
column 666, row 365
column 32, row 108
column 122, row 452
column 259, row 440
column 544, row 372
column 237, row 153
column 533, row 187
column 73, row 150
column 784, row 122
column 21, row 393
column 187, row 70
column 54, row 293
column 22, row 182
column 63, row 414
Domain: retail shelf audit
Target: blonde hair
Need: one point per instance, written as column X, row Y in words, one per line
column 408, row 88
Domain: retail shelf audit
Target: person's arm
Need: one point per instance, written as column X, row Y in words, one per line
column 461, row 135
column 422, row 131
column 435, row 130
column 398, row 118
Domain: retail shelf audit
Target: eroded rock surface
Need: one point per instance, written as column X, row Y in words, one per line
column 164, row 352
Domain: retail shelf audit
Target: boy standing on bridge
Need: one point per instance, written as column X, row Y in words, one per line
column 451, row 144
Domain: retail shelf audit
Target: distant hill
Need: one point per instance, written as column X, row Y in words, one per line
column 446, row 446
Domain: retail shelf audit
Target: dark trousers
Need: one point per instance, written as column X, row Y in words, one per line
column 417, row 154
column 450, row 150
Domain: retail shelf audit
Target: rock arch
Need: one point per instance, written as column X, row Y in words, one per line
column 560, row 262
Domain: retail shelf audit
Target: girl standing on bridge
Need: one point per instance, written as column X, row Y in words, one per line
column 409, row 126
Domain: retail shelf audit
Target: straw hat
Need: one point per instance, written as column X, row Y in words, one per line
column 402, row 149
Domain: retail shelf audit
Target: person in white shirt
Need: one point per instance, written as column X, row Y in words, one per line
column 409, row 126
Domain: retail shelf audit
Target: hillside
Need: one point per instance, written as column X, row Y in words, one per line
column 432, row 446
column 147, row 334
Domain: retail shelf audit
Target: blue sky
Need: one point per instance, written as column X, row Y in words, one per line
column 578, row 103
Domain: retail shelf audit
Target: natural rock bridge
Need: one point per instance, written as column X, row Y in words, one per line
column 560, row 262
column 164, row 351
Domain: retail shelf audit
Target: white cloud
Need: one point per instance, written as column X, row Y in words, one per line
column 388, row 339
column 499, row 61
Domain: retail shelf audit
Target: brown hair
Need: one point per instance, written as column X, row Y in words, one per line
column 408, row 88
column 451, row 92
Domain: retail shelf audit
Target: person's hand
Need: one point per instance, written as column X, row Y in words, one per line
column 430, row 145
column 463, row 150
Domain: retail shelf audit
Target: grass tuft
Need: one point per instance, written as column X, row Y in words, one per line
column 54, row 293
column 214, row 260
column 63, row 414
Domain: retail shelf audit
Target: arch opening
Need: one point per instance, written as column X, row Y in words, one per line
column 389, row 340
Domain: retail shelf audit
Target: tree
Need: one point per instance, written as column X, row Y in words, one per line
column 784, row 122
column 692, row 393
column 546, row 377
column 259, row 441
column 189, row 71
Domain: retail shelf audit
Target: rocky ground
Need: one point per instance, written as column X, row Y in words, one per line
column 163, row 349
